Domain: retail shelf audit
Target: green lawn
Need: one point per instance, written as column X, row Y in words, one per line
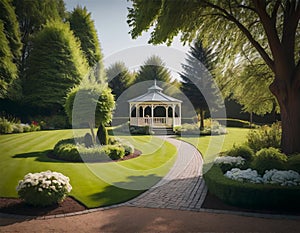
column 24, row 153
column 209, row 146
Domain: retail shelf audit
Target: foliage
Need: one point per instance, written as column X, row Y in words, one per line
column 140, row 130
column 55, row 65
column 11, row 28
column 269, row 158
column 119, row 78
column 250, row 195
column 213, row 128
column 243, row 151
column 198, row 84
column 67, row 150
column 264, row 137
column 257, row 43
column 90, row 103
column 5, row 126
column 32, row 16
column 44, row 188
column 114, row 152
column 153, row 69
column 83, row 27
column 8, row 69
column 102, row 135
column 293, row 163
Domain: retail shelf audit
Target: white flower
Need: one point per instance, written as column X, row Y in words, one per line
column 230, row 160
column 244, row 175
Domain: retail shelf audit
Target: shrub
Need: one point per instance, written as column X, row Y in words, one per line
column 227, row 162
column 140, row 130
column 26, row 128
column 18, row 128
column 251, row 195
column 114, row 152
column 243, row 151
column 44, row 188
column 293, row 162
column 264, row 137
column 129, row 149
column 102, row 135
column 267, row 159
column 5, row 126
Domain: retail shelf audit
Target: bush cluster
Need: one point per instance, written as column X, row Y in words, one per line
column 140, row 130
column 243, row 151
column 265, row 137
column 267, row 159
column 68, row 150
column 251, row 195
column 7, row 127
column 211, row 128
column 44, row 188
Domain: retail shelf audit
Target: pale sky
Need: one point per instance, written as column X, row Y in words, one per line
column 110, row 18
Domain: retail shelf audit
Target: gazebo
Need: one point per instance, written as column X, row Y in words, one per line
column 155, row 109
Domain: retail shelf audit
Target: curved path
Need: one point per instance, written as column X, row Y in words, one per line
column 182, row 188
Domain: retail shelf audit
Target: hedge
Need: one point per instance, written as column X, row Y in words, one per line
column 250, row 195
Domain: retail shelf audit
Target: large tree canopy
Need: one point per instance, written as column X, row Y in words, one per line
column 11, row 28
column 83, row 27
column 267, row 32
column 55, row 65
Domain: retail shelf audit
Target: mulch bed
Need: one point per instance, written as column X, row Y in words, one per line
column 19, row 207
column 212, row 202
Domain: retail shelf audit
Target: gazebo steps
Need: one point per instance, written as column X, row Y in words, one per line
column 163, row 131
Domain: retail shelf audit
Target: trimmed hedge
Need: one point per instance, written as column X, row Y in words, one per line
column 293, row 163
column 68, row 150
column 250, row 195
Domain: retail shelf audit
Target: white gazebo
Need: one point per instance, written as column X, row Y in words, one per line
column 155, row 109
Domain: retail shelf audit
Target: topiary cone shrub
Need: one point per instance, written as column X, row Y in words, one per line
column 44, row 189
column 102, row 135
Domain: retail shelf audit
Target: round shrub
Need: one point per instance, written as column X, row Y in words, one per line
column 114, row 151
column 129, row 149
column 243, row 151
column 5, row 126
column 44, row 188
column 267, row 159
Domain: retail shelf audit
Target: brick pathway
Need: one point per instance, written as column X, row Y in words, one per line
column 182, row 188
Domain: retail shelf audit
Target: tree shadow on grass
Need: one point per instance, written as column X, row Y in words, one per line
column 40, row 156
column 121, row 192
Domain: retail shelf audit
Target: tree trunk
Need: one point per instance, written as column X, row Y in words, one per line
column 201, row 119
column 288, row 97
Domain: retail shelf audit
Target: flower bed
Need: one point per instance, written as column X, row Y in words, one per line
column 247, row 194
column 44, row 188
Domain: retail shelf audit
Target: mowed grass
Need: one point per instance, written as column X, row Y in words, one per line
column 94, row 184
column 209, row 146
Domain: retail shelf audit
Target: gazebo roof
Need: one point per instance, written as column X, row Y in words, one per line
column 154, row 94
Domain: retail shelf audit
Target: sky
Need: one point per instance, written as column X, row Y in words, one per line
column 110, row 18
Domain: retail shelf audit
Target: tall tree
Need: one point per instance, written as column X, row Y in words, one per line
column 55, row 65
column 270, row 29
column 11, row 28
column 153, row 68
column 197, row 84
column 32, row 15
column 83, row 27
column 119, row 77
column 8, row 69
column 90, row 103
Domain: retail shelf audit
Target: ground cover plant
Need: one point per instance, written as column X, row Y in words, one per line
column 21, row 154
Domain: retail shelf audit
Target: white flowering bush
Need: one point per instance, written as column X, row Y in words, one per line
column 283, row 178
column 230, row 160
column 44, row 188
column 247, row 175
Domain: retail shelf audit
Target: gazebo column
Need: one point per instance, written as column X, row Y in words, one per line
column 167, row 114
column 179, row 117
column 152, row 113
column 137, row 113
column 173, row 113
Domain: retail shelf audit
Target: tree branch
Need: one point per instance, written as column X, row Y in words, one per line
column 274, row 12
column 246, row 32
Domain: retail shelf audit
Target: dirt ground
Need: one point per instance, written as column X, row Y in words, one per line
column 131, row 219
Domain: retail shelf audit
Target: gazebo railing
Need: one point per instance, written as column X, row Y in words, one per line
column 157, row 121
